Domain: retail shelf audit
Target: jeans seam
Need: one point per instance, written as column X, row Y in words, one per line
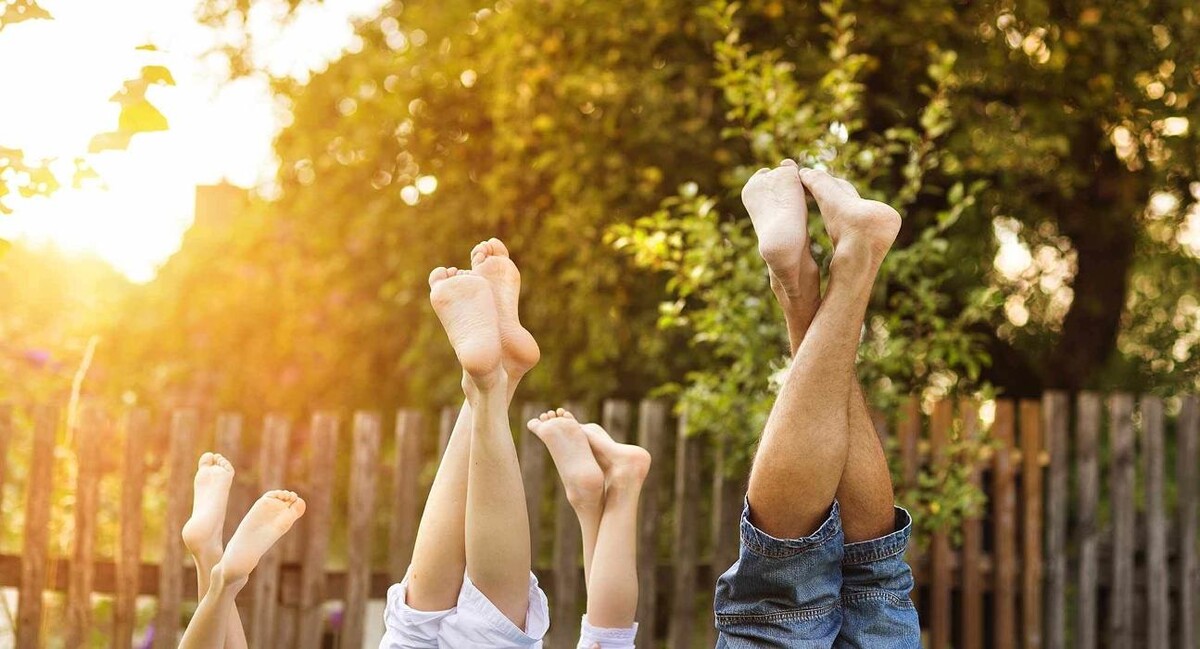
column 904, row 602
column 808, row 613
column 856, row 558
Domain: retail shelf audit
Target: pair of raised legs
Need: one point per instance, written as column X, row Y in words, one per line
column 822, row 543
column 222, row 572
column 470, row 582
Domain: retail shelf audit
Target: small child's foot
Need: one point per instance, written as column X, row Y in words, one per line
column 491, row 261
column 581, row 475
column 623, row 464
column 467, row 308
column 268, row 520
column 202, row 532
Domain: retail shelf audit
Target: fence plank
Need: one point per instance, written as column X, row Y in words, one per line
column 568, row 587
column 941, row 582
column 1005, row 528
column 35, row 551
column 264, row 582
column 319, row 512
column 1124, row 513
column 133, row 474
column 406, row 492
column 1087, row 450
column 362, row 507
column 686, row 543
column 88, row 439
column 616, row 416
column 228, row 440
column 652, row 436
column 1055, row 416
column 972, row 546
column 909, row 432
column 1188, row 488
column 1158, row 580
column 728, row 491
column 180, row 465
column 533, row 476
column 1032, row 458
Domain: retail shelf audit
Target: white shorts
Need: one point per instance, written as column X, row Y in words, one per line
column 590, row 636
column 473, row 623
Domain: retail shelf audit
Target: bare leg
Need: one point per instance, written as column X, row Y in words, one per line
column 613, row 586
column 268, row 520
column 202, row 532
column 582, row 478
column 439, row 552
column 806, row 432
column 498, row 555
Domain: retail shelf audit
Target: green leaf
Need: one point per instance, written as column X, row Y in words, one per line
column 141, row 117
column 157, row 74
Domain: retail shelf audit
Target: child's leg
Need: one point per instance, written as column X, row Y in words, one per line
column 439, row 558
column 582, row 478
column 497, row 533
column 268, row 520
column 613, row 587
column 202, row 532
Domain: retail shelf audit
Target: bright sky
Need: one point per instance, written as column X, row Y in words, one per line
column 55, row 80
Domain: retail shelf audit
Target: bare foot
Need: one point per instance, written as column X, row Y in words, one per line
column 465, row 305
column 568, row 445
column 490, row 260
column 267, row 521
column 775, row 200
column 857, row 226
column 624, row 465
column 202, row 532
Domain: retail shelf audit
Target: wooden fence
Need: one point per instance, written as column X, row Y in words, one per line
column 1082, row 541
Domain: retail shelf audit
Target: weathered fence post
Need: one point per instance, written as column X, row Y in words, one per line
column 687, row 534
column 1124, row 515
column 972, row 544
column 617, row 418
column 1031, row 490
column 533, row 476
column 228, row 442
column 319, row 512
column 1188, row 487
column 264, row 583
column 35, row 552
column 129, row 557
column 1087, row 451
column 88, row 439
column 362, row 508
column 1004, row 528
column 941, row 582
column 1055, row 415
column 406, row 497
column 909, row 434
column 181, row 458
column 1158, row 580
column 727, row 497
column 652, row 431
column 6, row 431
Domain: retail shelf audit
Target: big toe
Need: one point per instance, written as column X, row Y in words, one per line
column 440, row 273
column 207, row 459
column 498, row 247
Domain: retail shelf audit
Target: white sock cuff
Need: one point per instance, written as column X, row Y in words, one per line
column 607, row 638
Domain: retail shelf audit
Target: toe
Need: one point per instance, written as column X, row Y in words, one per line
column 479, row 253
column 532, row 424
column 498, row 247
column 440, row 273
column 206, row 459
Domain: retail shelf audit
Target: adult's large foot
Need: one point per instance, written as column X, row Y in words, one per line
column 202, row 532
column 467, row 308
column 268, row 520
column 859, row 227
column 490, row 260
column 775, row 200
column 581, row 475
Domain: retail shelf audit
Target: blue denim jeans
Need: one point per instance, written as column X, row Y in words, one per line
column 818, row 591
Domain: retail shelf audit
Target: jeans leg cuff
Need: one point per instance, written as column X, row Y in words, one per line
column 883, row 547
column 764, row 544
